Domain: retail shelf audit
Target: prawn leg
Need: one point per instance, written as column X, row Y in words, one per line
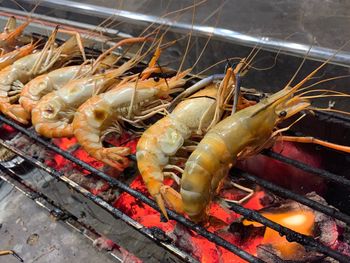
column 250, row 193
column 16, row 112
column 173, row 176
column 50, row 55
column 237, row 93
column 152, row 63
column 171, row 198
column 114, row 156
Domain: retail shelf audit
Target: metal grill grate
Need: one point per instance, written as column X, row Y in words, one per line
column 291, row 235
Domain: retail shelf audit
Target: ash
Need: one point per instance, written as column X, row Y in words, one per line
column 22, row 142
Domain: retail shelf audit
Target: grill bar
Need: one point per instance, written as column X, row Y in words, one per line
column 342, row 120
column 285, row 193
column 199, row 229
column 320, row 172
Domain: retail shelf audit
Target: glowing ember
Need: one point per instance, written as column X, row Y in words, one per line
column 298, row 220
column 7, row 128
column 295, row 220
column 7, row 132
column 74, row 171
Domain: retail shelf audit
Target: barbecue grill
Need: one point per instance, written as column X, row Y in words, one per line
column 94, row 214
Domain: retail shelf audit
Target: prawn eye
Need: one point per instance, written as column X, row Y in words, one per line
column 156, row 79
column 282, row 114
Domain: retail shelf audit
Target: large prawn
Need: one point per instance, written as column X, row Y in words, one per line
column 95, row 117
column 15, row 76
column 53, row 115
column 245, row 132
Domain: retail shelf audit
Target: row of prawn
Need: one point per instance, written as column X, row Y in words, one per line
column 37, row 88
column 90, row 100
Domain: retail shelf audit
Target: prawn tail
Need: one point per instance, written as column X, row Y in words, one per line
column 11, row 24
column 14, row 33
column 157, row 191
column 152, row 176
column 72, row 47
column 164, row 195
column 114, row 156
column 168, row 197
column 172, row 198
column 16, row 112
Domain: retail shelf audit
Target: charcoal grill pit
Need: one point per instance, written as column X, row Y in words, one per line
column 154, row 239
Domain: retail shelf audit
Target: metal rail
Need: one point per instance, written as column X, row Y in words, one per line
column 291, row 235
column 268, row 43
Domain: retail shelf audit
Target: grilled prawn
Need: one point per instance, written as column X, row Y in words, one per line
column 35, row 89
column 95, row 117
column 245, row 132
